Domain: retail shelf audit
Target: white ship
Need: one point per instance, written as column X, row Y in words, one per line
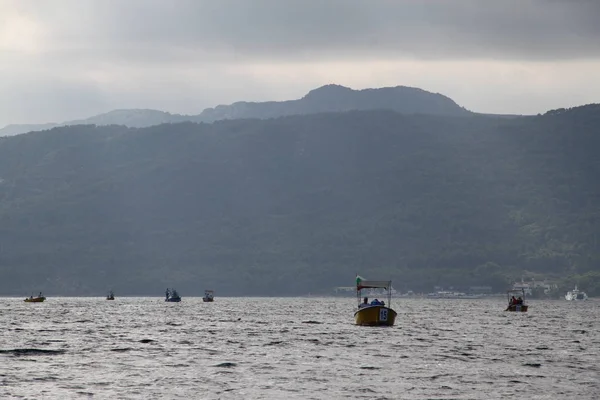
column 576, row 295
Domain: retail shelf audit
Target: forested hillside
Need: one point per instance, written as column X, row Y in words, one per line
column 300, row 204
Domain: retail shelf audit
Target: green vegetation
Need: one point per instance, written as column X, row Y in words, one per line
column 300, row 204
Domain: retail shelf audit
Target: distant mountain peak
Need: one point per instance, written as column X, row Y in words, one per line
column 330, row 89
column 327, row 98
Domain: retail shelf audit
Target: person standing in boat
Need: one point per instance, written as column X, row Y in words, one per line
column 365, row 303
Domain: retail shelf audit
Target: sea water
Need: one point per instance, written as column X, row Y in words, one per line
column 296, row 348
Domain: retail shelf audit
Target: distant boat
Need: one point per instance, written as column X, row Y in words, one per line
column 209, row 296
column 111, row 296
column 172, row 296
column 516, row 304
column 576, row 295
column 375, row 313
column 38, row 299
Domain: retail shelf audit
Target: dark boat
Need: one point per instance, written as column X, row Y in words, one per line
column 172, row 296
column 514, row 304
column 209, row 296
column 36, row 299
column 111, row 296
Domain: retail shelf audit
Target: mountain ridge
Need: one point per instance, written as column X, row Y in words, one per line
column 327, row 98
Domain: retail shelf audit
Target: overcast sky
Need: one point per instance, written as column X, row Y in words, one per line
column 67, row 59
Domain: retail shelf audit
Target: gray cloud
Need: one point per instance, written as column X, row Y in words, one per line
column 332, row 29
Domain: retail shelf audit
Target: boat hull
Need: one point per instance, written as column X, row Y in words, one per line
column 173, row 300
column 208, row 300
column 35, row 300
column 517, row 308
column 375, row 316
column 110, row 298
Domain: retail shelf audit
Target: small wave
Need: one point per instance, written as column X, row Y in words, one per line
column 366, row 390
column 46, row 379
column 370, row 368
column 274, row 343
column 147, row 340
column 311, row 322
column 535, row 365
column 29, row 352
column 225, row 365
column 121, row 350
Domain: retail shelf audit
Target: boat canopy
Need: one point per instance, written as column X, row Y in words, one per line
column 361, row 284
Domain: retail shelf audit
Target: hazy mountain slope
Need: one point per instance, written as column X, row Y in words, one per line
column 329, row 98
column 299, row 204
column 133, row 118
column 16, row 129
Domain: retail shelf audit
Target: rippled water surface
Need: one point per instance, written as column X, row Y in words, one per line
column 287, row 348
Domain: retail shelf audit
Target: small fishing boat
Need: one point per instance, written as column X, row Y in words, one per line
column 374, row 313
column 516, row 304
column 38, row 299
column 110, row 296
column 576, row 295
column 172, row 296
column 209, row 296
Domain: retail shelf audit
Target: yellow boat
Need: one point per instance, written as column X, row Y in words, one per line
column 37, row 299
column 516, row 305
column 374, row 313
